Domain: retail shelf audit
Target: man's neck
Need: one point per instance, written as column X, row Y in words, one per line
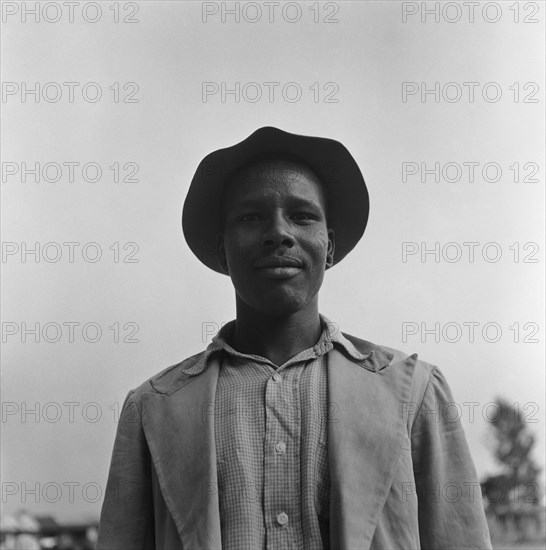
column 276, row 338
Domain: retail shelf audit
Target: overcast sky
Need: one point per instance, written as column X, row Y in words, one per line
column 445, row 119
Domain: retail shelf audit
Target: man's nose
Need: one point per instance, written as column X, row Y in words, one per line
column 278, row 232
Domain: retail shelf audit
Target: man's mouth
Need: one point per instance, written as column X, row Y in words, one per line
column 278, row 267
column 277, row 261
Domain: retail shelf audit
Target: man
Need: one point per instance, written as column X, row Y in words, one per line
column 285, row 432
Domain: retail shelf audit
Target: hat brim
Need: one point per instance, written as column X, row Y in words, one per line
column 347, row 195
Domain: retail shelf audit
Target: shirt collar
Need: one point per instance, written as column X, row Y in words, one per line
column 330, row 336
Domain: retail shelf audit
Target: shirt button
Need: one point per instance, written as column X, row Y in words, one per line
column 277, row 377
column 280, row 447
column 282, row 519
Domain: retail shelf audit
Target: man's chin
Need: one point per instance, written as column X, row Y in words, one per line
column 281, row 310
column 279, row 305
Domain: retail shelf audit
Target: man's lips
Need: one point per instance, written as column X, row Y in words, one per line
column 277, row 261
column 278, row 267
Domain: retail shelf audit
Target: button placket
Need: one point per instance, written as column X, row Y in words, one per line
column 281, row 445
column 285, row 483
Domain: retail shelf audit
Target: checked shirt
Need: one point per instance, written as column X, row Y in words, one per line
column 271, row 435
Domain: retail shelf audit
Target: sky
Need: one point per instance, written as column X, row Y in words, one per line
column 113, row 109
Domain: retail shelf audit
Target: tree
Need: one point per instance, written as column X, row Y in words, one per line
column 512, row 495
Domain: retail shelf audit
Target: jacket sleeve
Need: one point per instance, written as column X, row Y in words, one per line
column 127, row 516
column 451, row 513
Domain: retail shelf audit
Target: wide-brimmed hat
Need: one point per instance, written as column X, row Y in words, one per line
column 346, row 193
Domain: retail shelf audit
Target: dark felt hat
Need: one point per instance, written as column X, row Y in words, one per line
column 346, row 193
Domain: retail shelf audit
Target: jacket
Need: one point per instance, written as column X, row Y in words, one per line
column 401, row 472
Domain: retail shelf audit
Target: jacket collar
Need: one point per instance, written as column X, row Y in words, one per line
column 365, row 354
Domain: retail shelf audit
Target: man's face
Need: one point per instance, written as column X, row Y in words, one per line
column 275, row 244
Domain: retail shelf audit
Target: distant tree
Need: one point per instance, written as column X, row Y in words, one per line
column 513, row 494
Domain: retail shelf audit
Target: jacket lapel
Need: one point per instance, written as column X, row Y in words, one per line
column 365, row 436
column 179, row 428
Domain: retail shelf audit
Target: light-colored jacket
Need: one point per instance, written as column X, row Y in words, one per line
column 401, row 473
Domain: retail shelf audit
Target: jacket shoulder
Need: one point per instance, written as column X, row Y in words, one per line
column 422, row 370
column 420, row 365
column 393, row 355
column 427, row 378
column 169, row 379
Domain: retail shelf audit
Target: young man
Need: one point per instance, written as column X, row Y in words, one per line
column 286, row 433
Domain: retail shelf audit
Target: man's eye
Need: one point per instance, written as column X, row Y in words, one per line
column 303, row 216
column 248, row 217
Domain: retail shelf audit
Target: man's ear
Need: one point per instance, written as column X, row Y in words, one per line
column 222, row 253
column 331, row 249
